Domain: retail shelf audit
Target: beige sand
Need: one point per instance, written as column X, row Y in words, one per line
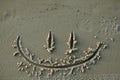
column 92, row 21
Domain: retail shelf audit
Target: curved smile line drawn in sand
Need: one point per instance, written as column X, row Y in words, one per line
column 67, row 65
column 19, row 45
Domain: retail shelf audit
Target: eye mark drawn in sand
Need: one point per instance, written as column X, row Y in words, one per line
column 49, row 42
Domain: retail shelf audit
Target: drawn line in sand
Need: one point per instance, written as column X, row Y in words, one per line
column 71, row 43
column 49, row 42
column 65, row 65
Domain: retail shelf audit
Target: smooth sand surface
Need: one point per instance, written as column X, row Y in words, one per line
column 34, row 18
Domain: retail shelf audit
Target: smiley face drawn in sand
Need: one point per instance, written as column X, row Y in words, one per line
column 68, row 64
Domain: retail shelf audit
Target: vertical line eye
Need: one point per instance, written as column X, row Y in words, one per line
column 71, row 43
column 49, row 42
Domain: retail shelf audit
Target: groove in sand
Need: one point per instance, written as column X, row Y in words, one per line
column 60, row 66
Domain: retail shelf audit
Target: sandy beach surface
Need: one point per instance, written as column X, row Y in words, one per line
column 91, row 21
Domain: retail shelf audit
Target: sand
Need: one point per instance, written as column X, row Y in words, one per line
column 91, row 21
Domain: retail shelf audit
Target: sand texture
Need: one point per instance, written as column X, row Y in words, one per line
column 59, row 35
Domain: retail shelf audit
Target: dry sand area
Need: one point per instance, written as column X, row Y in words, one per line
column 91, row 21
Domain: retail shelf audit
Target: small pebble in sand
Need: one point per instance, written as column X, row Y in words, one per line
column 64, row 61
column 95, row 37
column 41, row 69
column 27, row 72
column 22, row 69
column 26, row 66
column 55, row 63
column 74, row 57
column 87, row 67
column 67, row 69
column 115, row 17
column 111, row 39
column 59, row 64
column 14, row 46
column 14, row 41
